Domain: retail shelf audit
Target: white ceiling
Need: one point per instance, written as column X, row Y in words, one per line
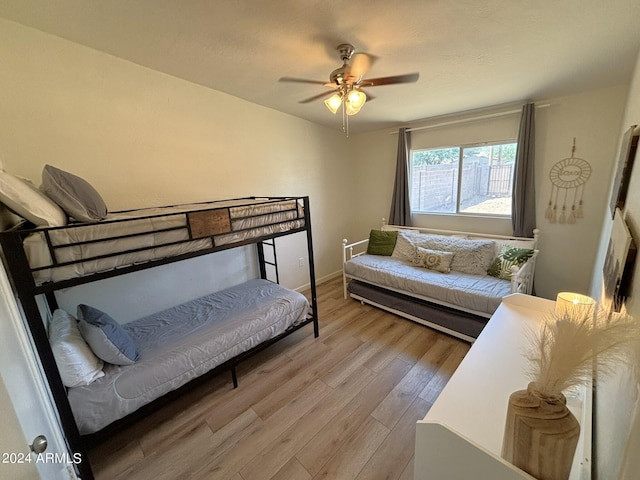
column 470, row 54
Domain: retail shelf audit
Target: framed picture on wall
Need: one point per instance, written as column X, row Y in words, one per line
column 623, row 169
column 618, row 264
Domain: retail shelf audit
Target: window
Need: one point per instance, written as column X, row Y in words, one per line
column 474, row 179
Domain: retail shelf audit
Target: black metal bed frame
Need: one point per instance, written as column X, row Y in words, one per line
column 21, row 275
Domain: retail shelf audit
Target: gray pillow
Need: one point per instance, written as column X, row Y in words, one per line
column 106, row 337
column 73, row 194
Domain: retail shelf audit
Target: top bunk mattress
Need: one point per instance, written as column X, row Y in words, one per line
column 137, row 236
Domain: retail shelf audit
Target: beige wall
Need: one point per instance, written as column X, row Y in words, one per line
column 565, row 262
column 618, row 398
column 143, row 138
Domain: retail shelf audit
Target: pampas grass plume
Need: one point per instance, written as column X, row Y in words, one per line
column 572, row 343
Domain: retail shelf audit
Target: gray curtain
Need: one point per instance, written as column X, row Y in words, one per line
column 524, row 194
column 400, row 209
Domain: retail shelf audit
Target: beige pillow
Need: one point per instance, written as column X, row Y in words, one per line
column 437, row 260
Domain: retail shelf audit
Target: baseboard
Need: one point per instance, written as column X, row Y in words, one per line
column 320, row 280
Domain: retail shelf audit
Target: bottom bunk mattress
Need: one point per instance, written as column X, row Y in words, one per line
column 184, row 342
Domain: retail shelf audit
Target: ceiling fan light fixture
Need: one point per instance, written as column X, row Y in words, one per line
column 333, row 102
column 355, row 101
column 357, row 98
column 350, row 110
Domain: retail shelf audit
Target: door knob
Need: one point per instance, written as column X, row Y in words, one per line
column 39, row 444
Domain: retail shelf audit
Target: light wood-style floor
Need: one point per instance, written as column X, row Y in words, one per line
column 342, row 406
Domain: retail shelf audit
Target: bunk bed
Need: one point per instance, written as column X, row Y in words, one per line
column 249, row 317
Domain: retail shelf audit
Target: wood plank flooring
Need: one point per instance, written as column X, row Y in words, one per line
column 342, row 406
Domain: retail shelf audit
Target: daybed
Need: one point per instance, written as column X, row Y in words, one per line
column 67, row 238
column 439, row 278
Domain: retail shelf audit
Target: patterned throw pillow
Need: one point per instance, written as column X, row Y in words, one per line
column 432, row 259
column 472, row 256
column 509, row 256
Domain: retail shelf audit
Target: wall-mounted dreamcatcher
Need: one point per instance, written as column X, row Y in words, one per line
column 568, row 177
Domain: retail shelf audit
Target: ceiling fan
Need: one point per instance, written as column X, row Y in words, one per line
column 347, row 83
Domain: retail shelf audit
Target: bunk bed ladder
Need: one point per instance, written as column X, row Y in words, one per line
column 264, row 262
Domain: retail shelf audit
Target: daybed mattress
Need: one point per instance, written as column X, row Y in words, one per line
column 450, row 320
column 154, row 233
column 184, row 342
column 478, row 293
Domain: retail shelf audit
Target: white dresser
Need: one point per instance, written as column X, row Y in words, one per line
column 461, row 435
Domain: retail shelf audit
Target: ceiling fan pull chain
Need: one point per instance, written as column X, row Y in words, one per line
column 345, row 125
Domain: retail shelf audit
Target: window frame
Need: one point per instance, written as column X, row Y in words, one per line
column 461, row 148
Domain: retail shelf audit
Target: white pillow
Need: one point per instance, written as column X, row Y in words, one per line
column 28, row 202
column 75, row 360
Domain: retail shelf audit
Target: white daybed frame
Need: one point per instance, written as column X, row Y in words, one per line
column 521, row 279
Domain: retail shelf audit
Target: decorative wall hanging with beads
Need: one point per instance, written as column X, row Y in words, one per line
column 568, row 178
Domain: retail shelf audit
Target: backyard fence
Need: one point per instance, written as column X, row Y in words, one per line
column 434, row 187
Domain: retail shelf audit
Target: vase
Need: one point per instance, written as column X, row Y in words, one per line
column 541, row 434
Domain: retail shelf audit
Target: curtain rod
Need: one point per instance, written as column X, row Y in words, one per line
column 471, row 119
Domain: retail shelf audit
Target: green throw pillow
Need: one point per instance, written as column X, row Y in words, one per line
column 382, row 243
column 509, row 256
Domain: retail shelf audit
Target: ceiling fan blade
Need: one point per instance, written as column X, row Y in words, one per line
column 316, row 97
column 301, row 80
column 374, row 82
column 366, row 92
column 360, row 63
